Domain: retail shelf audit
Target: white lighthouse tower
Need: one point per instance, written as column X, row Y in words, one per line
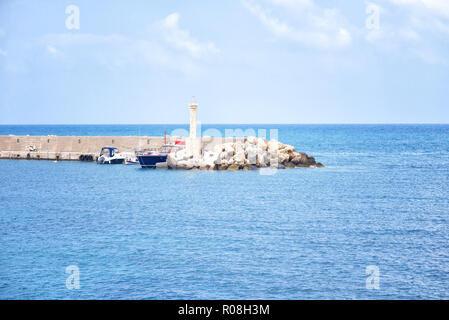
column 193, row 106
column 193, row 143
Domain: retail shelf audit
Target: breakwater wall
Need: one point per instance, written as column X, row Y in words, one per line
column 85, row 148
column 71, row 147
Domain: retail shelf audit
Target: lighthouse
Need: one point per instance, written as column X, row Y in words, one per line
column 193, row 106
column 194, row 143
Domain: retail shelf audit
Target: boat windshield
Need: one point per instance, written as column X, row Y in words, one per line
column 108, row 151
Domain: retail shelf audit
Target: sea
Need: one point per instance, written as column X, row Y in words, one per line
column 372, row 224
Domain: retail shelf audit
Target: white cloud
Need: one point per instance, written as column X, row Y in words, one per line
column 427, row 15
column 297, row 6
column 115, row 52
column 430, row 56
column 416, row 28
column 126, row 50
column 437, row 7
column 2, row 34
column 74, row 39
column 320, row 28
column 182, row 39
column 293, row 3
column 52, row 50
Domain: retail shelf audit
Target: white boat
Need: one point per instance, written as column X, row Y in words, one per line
column 110, row 155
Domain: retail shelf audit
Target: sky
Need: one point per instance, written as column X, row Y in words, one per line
column 244, row 61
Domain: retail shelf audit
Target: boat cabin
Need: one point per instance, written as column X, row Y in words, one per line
column 108, row 151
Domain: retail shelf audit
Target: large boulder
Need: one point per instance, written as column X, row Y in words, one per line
column 273, row 145
column 300, row 158
column 229, row 149
column 262, row 159
column 223, row 166
column 283, row 158
column 219, row 148
column 311, row 160
column 161, row 165
column 285, row 148
column 204, row 165
column 224, row 156
column 182, row 155
column 291, row 155
column 239, row 157
column 251, row 140
column 184, row 164
column 209, row 159
column 262, row 144
column 290, row 165
column 251, row 154
column 171, row 161
column 233, row 167
column 239, row 147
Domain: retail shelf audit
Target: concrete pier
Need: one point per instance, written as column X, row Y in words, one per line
column 71, row 147
column 76, row 148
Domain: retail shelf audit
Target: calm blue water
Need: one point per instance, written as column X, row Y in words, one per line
column 382, row 200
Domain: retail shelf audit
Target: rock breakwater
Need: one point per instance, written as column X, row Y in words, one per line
column 245, row 154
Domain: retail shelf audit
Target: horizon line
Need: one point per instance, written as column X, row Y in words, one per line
column 226, row 123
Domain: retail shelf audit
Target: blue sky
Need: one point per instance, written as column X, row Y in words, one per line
column 249, row 61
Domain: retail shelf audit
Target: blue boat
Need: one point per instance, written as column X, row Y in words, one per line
column 149, row 159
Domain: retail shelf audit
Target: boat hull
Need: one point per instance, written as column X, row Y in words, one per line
column 111, row 161
column 150, row 161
